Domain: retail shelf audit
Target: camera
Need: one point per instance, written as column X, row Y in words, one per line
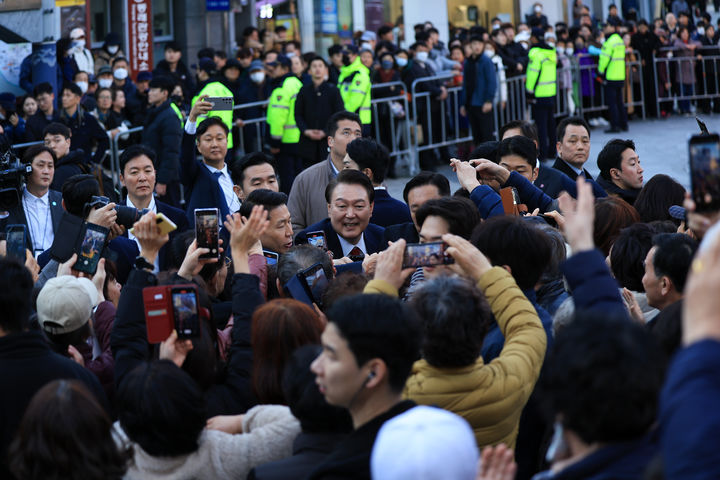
column 126, row 216
column 12, row 177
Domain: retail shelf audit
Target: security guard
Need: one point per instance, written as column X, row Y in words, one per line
column 541, row 88
column 213, row 88
column 284, row 133
column 354, row 84
column 611, row 68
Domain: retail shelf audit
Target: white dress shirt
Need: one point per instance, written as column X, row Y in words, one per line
column 153, row 208
column 39, row 220
column 347, row 246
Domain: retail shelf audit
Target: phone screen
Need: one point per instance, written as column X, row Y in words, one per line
column 316, row 239
column 207, row 231
column 91, row 248
column 271, row 257
column 15, row 236
column 426, row 255
column 185, row 310
column 705, row 171
column 316, row 281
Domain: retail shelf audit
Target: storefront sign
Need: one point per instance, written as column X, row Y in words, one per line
column 217, row 5
column 139, row 35
column 329, row 17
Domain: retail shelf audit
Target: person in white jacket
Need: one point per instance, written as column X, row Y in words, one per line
column 82, row 56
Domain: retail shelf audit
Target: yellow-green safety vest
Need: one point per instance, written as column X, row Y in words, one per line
column 177, row 112
column 354, row 84
column 281, row 111
column 612, row 58
column 217, row 89
column 541, row 78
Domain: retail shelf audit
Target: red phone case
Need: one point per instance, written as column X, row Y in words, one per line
column 158, row 313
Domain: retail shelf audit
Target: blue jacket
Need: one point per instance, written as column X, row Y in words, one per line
column 373, row 237
column 553, row 182
column 202, row 189
column 689, row 415
column 487, row 201
column 592, row 285
column 389, row 211
column 480, row 81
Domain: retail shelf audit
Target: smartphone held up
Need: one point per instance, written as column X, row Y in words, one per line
column 207, row 231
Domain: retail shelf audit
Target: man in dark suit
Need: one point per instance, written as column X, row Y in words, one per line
column 138, row 175
column 207, row 182
column 372, row 159
column 348, row 231
column 422, row 187
column 40, row 208
column 573, row 150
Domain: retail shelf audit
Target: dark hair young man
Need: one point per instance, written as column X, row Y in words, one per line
column 58, row 138
column 278, row 237
column 620, row 172
column 85, row 128
column 254, row 171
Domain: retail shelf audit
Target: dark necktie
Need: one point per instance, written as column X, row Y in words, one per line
column 356, row 255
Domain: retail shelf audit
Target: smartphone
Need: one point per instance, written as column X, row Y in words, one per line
column 220, row 103
column 16, row 236
column 705, row 171
column 207, row 230
column 317, row 239
column 271, row 257
column 166, row 225
column 550, row 220
column 169, row 307
column 297, row 289
column 316, row 282
column 185, row 311
column 91, row 248
column 426, row 255
column 702, row 126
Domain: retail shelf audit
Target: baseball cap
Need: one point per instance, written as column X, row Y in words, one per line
column 105, row 69
column 418, row 444
column 207, row 65
column 232, row 63
column 281, row 60
column 538, row 33
column 350, row 48
column 76, row 33
column 144, row 76
column 65, row 304
column 522, row 37
column 256, row 65
column 368, row 36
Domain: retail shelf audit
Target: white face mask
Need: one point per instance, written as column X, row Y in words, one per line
column 290, row 54
column 421, row 56
column 78, row 44
column 552, row 44
column 113, row 49
column 569, row 51
column 701, row 31
column 120, row 74
column 83, row 86
column 538, row 9
column 257, row 77
column 365, row 46
column 525, row 45
column 489, row 52
column 105, row 82
column 401, row 61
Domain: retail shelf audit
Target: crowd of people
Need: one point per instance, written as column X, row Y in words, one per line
column 570, row 332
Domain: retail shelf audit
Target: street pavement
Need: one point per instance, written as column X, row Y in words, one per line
column 661, row 145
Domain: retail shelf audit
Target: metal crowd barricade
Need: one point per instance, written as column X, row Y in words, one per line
column 259, row 123
column 398, row 122
column 703, row 75
column 19, row 146
column 423, row 98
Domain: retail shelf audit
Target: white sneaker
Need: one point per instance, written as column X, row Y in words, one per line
column 593, row 122
column 602, row 122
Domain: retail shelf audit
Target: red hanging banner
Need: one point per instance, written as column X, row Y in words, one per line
column 139, row 35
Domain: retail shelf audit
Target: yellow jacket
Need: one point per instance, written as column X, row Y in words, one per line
column 491, row 396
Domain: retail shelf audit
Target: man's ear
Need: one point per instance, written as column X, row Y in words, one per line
column 377, row 373
column 122, row 180
column 279, row 287
column 507, row 267
column 62, row 202
column 372, row 205
column 666, row 285
column 615, row 174
column 239, row 192
column 368, row 173
column 535, row 173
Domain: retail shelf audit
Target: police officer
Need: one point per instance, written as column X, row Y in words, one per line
column 541, row 87
column 284, row 133
column 354, row 84
column 611, row 68
column 212, row 87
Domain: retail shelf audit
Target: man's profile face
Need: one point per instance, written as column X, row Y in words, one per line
column 418, row 196
column 574, row 147
column 433, row 228
column 630, row 172
column 347, row 131
column 139, row 177
column 58, row 144
column 257, row 177
column 350, row 210
column 43, row 170
column 279, row 235
column 336, row 370
column 651, row 282
column 212, row 145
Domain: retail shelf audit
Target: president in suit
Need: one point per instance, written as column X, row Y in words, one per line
column 207, row 182
column 348, row 231
column 137, row 174
column 39, row 209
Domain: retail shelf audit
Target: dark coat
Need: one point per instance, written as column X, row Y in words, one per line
column 309, row 450
column 563, row 167
column 313, row 109
column 17, row 216
column 86, row 130
column 389, row 211
column 163, row 133
column 37, row 123
column 553, row 182
column 130, row 346
column 407, row 231
column 202, row 189
column 351, row 458
column 26, row 364
column 613, row 190
column 74, row 163
column 181, row 75
column 373, row 236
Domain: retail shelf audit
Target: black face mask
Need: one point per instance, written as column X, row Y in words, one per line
column 176, row 99
column 346, row 60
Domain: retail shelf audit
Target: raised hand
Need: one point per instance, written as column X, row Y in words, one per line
column 389, row 265
column 468, row 259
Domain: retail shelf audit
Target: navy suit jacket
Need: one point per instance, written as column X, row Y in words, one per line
column 563, row 167
column 17, row 216
column 553, row 182
column 389, row 211
column 373, row 237
column 406, row 230
column 202, row 189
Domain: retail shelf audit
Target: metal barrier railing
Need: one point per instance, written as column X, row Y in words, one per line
column 686, row 75
column 18, row 146
column 398, row 123
column 258, row 122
